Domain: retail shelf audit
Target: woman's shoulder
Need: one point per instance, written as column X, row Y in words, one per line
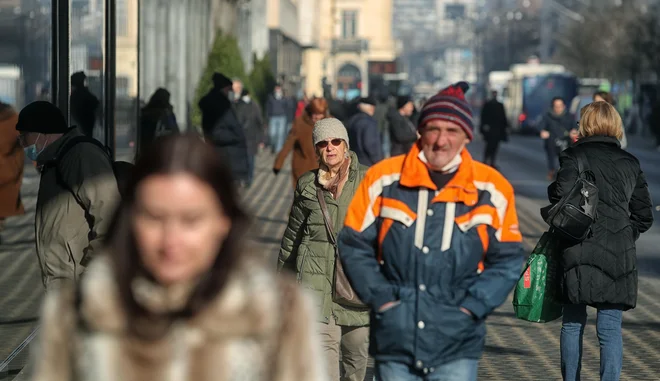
column 254, row 301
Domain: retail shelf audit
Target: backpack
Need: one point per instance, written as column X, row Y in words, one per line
column 572, row 217
column 121, row 169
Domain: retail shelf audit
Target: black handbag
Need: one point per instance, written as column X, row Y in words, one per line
column 572, row 217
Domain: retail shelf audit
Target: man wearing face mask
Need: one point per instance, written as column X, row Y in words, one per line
column 431, row 243
column 77, row 195
column 249, row 114
column 222, row 127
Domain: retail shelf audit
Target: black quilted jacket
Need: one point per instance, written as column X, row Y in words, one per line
column 602, row 270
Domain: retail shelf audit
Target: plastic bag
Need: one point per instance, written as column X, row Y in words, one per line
column 535, row 297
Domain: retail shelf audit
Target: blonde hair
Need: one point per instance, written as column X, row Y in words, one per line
column 600, row 118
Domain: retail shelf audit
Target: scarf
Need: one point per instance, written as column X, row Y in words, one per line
column 334, row 185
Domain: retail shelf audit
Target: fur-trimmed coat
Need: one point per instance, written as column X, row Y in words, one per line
column 260, row 327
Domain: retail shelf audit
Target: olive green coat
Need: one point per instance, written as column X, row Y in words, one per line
column 306, row 249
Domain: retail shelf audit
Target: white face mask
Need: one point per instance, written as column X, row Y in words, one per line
column 278, row 94
column 246, row 99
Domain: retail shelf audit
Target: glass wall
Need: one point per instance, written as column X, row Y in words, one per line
column 25, row 76
column 126, row 80
column 86, row 67
column 100, row 61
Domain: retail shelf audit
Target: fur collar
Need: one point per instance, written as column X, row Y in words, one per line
column 243, row 305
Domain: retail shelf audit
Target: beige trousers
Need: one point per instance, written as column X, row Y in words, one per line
column 354, row 345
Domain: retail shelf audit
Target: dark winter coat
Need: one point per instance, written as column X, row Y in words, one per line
column 84, row 106
column 225, row 132
column 493, row 121
column 402, row 132
column 602, row 269
column 365, row 139
column 250, row 117
column 151, row 119
column 558, row 126
column 277, row 107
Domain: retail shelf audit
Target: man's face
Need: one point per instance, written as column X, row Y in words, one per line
column 237, row 88
column 29, row 138
column 408, row 109
column 441, row 141
column 558, row 107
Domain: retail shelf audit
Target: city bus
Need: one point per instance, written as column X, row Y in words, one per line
column 530, row 92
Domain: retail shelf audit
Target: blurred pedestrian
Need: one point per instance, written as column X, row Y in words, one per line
column 493, row 125
column 300, row 142
column 12, row 162
column 604, row 96
column 250, row 116
column 175, row 296
column 222, row 127
column 556, row 127
column 363, row 133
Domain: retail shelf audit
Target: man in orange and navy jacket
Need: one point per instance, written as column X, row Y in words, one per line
column 431, row 244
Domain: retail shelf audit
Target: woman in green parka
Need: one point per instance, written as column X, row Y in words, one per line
column 307, row 251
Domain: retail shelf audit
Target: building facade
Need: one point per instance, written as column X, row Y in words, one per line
column 284, row 49
column 354, row 41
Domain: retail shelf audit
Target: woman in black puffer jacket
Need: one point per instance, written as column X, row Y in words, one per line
column 601, row 271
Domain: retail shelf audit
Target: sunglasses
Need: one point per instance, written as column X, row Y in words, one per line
column 324, row 143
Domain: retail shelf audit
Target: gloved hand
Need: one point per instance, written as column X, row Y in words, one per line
column 276, row 171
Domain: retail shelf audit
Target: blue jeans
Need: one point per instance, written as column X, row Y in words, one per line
column 277, row 132
column 458, row 370
column 608, row 328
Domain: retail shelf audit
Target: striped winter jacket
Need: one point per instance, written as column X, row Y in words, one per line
column 434, row 251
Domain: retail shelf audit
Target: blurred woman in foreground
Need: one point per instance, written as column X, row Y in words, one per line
column 175, row 297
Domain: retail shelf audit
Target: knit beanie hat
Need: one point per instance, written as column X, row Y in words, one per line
column 43, row 117
column 329, row 128
column 449, row 104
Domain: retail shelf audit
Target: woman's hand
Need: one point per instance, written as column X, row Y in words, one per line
column 545, row 134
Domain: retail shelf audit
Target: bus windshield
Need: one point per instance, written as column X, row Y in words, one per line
column 539, row 90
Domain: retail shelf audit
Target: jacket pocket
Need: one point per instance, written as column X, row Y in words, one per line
column 448, row 330
column 76, row 251
column 393, row 330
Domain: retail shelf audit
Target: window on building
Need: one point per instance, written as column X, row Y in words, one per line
column 349, row 24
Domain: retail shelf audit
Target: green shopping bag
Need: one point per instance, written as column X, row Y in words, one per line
column 534, row 298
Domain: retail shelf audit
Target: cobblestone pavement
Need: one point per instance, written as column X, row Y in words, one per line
column 515, row 350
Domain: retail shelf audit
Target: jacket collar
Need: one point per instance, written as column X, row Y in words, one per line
column 241, row 306
column 461, row 187
column 353, row 170
column 52, row 151
column 598, row 139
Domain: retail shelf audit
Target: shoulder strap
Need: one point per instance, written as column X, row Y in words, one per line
column 326, row 216
column 80, row 139
column 583, row 164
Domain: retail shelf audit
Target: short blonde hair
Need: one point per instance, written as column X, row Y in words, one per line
column 600, row 118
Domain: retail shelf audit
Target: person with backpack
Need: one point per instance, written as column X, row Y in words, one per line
column 77, row 194
column 599, row 269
